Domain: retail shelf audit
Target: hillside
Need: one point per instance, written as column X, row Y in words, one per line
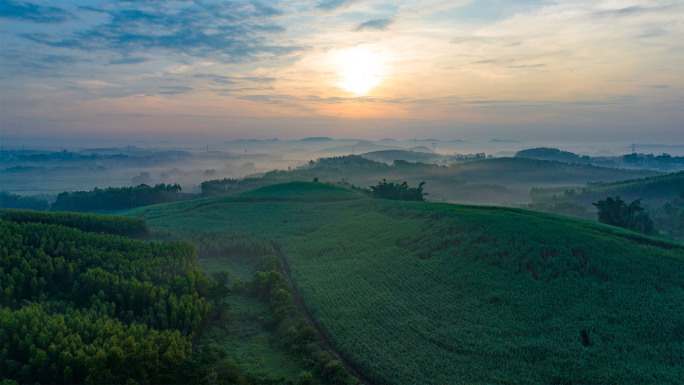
column 654, row 190
column 662, row 195
column 489, row 181
column 389, row 156
column 414, row 292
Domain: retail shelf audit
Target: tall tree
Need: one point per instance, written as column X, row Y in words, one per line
column 616, row 212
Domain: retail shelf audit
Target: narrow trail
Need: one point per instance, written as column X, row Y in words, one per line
column 312, row 322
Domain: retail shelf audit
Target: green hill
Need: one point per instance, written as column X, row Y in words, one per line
column 662, row 195
column 415, row 292
column 654, row 190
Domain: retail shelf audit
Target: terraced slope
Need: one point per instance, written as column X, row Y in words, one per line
column 424, row 293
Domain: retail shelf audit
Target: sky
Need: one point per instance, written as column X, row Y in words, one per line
column 595, row 71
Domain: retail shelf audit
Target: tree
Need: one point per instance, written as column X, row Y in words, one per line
column 617, row 213
column 385, row 190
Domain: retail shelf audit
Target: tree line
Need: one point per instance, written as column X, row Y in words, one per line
column 95, row 223
column 116, row 198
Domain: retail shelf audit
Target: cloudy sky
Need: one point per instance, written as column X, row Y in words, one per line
column 596, row 70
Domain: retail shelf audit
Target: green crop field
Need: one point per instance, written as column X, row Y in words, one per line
column 427, row 293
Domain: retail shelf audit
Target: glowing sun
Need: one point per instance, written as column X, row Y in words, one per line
column 359, row 69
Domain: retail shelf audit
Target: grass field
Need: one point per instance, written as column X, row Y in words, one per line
column 414, row 292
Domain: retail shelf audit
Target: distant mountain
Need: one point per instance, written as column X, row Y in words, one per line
column 317, row 139
column 421, row 149
column 502, row 141
column 546, row 153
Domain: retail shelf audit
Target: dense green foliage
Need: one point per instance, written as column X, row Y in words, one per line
column 13, row 201
column 631, row 216
column 116, row 198
column 355, row 161
column 669, row 217
column 414, row 292
column 81, row 307
column 396, row 191
column 131, row 227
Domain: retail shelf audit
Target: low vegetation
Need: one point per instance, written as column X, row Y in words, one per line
column 417, row 292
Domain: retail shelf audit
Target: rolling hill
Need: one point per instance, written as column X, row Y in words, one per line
column 490, row 181
column 416, row 292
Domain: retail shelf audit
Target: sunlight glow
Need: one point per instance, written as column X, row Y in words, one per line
column 359, row 68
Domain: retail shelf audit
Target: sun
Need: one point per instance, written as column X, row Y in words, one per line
column 359, row 69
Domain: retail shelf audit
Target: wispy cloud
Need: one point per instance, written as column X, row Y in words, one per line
column 230, row 32
column 174, row 90
column 375, row 24
column 33, row 12
column 329, row 5
column 129, row 60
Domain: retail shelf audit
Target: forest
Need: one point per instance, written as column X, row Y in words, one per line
column 79, row 306
column 82, row 304
column 116, row 198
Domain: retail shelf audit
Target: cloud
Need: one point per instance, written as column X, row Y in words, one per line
column 376, row 24
column 266, row 10
column 129, row 60
column 228, row 32
column 260, row 79
column 17, row 63
column 331, row 5
column 637, row 10
column 33, row 12
column 174, row 90
column 527, row 66
column 485, row 40
column 218, row 79
column 221, row 79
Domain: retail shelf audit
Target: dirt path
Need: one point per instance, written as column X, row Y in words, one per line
column 311, row 322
